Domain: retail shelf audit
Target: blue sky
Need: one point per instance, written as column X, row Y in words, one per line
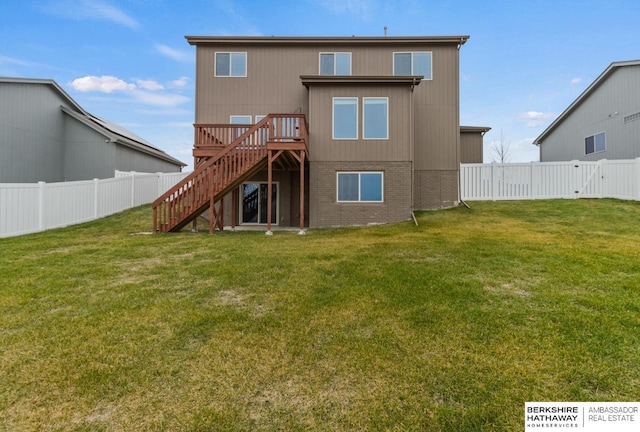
column 128, row 61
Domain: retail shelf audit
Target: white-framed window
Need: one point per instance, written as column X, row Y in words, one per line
column 335, row 63
column 345, row 118
column 413, row 63
column 360, row 186
column 240, row 119
column 375, row 118
column 259, row 117
column 595, row 143
column 231, row 64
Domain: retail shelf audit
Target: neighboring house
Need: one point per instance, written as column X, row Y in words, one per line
column 471, row 143
column 383, row 134
column 46, row 136
column 602, row 123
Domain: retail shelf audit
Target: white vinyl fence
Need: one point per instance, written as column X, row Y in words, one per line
column 28, row 208
column 548, row 180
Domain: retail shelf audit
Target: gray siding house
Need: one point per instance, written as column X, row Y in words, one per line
column 376, row 135
column 602, row 123
column 46, row 136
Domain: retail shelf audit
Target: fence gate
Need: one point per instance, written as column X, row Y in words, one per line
column 550, row 180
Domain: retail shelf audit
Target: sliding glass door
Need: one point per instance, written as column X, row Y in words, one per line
column 254, row 203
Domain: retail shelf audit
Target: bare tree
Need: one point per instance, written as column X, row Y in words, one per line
column 500, row 150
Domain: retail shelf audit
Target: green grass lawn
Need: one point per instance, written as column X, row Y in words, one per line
column 449, row 326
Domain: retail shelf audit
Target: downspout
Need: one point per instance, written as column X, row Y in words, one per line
column 412, row 151
column 458, row 159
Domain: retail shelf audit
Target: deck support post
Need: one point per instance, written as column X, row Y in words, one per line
column 234, row 207
column 269, row 192
column 216, row 216
column 212, row 214
column 302, row 157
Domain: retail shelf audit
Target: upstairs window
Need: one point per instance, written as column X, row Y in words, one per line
column 345, row 118
column 595, row 143
column 412, row 63
column 335, row 63
column 375, row 119
column 231, row 64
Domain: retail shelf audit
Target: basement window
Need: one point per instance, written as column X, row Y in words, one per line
column 360, row 187
column 231, row 64
column 595, row 143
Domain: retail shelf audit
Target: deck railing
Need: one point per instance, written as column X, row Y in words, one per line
column 223, row 168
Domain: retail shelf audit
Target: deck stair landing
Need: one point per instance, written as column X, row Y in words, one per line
column 226, row 156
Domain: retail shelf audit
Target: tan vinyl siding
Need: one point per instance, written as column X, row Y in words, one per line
column 471, row 147
column 423, row 149
column 272, row 84
column 437, row 115
column 324, row 148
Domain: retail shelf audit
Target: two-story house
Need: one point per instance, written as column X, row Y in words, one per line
column 321, row 131
column 602, row 123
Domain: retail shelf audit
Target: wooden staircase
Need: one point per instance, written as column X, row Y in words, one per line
column 226, row 156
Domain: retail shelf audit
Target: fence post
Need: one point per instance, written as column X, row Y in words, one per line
column 493, row 186
column 133, row 189
column 160, row 182
column 637, row 175
column 602, row 182
column 41, row 185
column 95, row 198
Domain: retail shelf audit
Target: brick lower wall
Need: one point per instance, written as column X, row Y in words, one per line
column 435, row 189
column 325, row 211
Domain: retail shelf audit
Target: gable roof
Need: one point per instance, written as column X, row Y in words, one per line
column 584, row 96
column 115, row 133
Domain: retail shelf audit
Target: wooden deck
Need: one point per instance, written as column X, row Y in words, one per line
column 224, row 157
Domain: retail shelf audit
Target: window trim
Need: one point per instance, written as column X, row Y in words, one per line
column 333, row 119
column 215, row 64
column 359, row 201
column 594, row 143
column 335, row 63
column 364, row 117
column 424, row 78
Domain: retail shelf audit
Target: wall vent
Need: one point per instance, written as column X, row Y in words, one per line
column 632, row 117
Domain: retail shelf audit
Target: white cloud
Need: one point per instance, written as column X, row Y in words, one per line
column 576, row 80
column 149, row 85
column 103, row 84
column 535, row 118
column 180, row 82
column 88, row 9
column 174, row 54
column 146, row 92
column 157, row 99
